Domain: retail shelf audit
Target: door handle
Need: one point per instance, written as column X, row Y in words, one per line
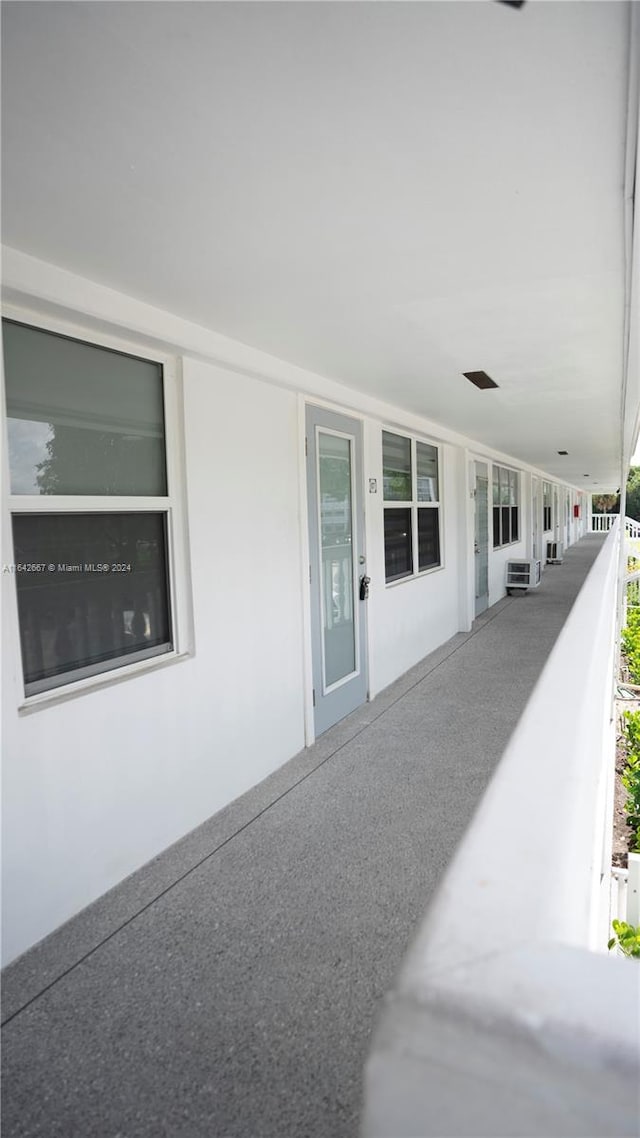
column 364, row 587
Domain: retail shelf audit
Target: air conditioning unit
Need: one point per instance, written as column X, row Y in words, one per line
column 522, row 575
column 554, row 553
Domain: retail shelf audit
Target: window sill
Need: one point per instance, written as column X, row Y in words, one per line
column 413, row 576
column 61, row 694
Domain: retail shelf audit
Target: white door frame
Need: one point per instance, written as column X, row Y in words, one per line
column 304, row 401
column 536, row 521
column 475, row 460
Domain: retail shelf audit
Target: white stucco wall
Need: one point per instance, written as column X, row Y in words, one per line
column 97, row 785
column 242, row 479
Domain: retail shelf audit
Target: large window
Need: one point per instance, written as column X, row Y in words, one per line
column 506, row 521
column 90, row 506
column 411, row 491
column 546, row 506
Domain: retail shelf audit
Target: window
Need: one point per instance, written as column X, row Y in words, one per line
column 546, row 506
column 90, row 506
column 506, row 525
column 411, row 491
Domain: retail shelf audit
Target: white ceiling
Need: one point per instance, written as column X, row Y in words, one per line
column 386, row 193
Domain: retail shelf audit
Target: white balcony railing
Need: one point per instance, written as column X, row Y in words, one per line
column 603, row 523
column 509, row 1017
column 625, row 891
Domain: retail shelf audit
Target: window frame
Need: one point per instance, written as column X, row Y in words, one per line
column 414, row 505
column 171, row 506
column 498, row 468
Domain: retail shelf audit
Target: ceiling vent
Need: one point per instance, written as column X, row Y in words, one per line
column 480, row 379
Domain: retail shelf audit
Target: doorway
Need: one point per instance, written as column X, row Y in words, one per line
column 481, row 537
column 337, row 570
column 536, row 552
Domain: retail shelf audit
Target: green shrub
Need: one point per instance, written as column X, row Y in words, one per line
column 630, row 777
column 631, row 644
column 633, row 592
column 627, row 938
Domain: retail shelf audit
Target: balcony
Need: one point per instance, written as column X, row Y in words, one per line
column 232, row 986
column 508, row 1017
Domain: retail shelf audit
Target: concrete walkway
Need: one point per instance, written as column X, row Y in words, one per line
column 229, row 989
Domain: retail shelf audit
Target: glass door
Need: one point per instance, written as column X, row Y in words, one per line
column 338, row 568
column 481, row 545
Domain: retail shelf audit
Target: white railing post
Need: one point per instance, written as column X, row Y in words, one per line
column 619, row 878
column 633, row 890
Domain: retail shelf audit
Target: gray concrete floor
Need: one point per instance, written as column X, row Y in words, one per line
column 230, row 988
